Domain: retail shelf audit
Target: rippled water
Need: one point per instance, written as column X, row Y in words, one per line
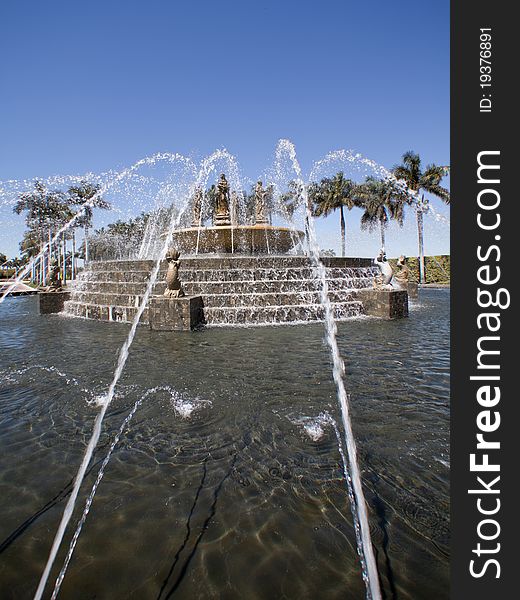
column 228, row 481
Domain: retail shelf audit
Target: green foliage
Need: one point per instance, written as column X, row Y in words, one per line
column 45, row 210
column 292, row 199
column 9, row 266
column 271, row 209
column 30, row 244
column 381, row 200
column 133, row 228
column 86, row 197
column 417, row 180
column 428, row 180
column 332, row 193
column 121, row 239
column 437, row 268
column 7, row 273
column 118, row 239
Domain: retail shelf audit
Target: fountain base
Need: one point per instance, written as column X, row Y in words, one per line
column 385, row 304
column 52, row 302
column 176, row 314
column 238, row 290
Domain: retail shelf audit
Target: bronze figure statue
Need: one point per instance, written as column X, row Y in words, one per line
column 235, row 208
column 402, row 274
column 173, row 284
column 197, row 207
column 260, row 207
column 222, row 202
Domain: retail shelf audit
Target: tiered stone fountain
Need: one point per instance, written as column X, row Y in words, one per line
column 243, row 273
column 238, row 290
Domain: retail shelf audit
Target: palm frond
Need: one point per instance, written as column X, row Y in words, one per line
column 440, row 192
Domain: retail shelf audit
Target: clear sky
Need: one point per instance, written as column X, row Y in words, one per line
column 94, row 86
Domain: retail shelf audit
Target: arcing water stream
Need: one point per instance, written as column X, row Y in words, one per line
column 365, row 550
column 99, row 477
column 123, row 355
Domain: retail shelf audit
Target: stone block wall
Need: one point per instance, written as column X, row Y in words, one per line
column 385, row 304
column 52, row 302
column 175, row 314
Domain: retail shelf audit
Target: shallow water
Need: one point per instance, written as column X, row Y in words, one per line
column 227, row 483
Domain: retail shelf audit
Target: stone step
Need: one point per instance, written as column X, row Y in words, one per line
column 278, row 298
column 275, row 285
column 299, row 273
column 107, row 298
column 230, row 262
column 85, row 277
column 261, row 274
column 243, row 315
column 235, row 290
column 259, row 315
column 124, row 314
column 225, row 287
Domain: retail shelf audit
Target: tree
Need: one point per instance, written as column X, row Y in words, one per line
column 29, row 246
column 428, row 180
column 46, row 211
column 332, row 194
column 381, row 200
column 12, row 263
column 121, row 238
column 43, row 209
column 292, row 199
column 86, row 195
column 327, row 253
column 209, row 203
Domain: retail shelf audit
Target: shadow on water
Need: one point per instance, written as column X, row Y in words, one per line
column 188, row 529
column 58, row 498
column 211, row 514
column 380, row 511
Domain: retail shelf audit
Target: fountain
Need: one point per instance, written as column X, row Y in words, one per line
column 246, row 274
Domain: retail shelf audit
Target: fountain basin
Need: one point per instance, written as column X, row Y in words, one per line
column 242, row 239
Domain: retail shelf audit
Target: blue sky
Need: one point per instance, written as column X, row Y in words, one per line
column 94, row 86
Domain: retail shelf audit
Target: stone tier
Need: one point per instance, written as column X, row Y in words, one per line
column 235, row 290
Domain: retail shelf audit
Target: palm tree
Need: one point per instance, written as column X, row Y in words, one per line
column 29, row 248
column 381, row 200
column 428, row 180
column 335, row 193
column 87, row 196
